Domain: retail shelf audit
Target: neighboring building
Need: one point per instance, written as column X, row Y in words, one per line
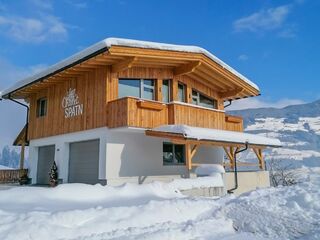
column 133, row 111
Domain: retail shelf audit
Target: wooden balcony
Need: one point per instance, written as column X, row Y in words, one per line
column 133, row 112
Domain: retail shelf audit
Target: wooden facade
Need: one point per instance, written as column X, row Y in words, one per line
column 95, row 82
column 97, row 90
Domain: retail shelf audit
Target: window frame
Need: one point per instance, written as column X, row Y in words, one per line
column 184, row 92
column 42, row 106
column 141, row 87
column 169, row 90
column 198, row 99
column 174, row 154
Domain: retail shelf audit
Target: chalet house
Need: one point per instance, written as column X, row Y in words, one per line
column 133, row 111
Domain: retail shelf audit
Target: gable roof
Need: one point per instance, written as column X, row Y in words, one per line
column 107, row 43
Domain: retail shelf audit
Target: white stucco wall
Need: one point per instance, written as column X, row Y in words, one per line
column 131, row 154
column 209, row 154
column 61, row 143
column 125, row 155
column 134, row 157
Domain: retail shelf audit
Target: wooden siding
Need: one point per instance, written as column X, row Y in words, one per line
column 196, row 116
column 98, row 92
column 234, row 123
column 90, row 88
column 129, row 112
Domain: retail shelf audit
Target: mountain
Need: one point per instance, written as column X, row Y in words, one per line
column 297, row 126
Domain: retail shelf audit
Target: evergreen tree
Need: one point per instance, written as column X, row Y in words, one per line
column 53, row 175
column 6, row 155
column 14, row 158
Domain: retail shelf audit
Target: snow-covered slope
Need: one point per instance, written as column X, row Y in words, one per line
column 158, row 211
column 297, row 126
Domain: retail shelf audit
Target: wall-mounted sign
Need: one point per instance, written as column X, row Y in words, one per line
column 71, row 104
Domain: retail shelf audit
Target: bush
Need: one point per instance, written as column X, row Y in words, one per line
column 281, row 173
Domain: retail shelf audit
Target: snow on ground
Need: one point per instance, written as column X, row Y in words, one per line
column 158, row 211
column 4, row 167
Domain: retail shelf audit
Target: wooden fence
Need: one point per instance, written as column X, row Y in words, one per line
column 12, row 175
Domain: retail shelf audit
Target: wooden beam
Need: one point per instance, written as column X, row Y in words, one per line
column 123, row 65
column 230, row 154
column 187, row 68
column 258, row 152
column 194, row 150
column 229, row 94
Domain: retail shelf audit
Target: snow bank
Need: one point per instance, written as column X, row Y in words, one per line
column 107, row 43
column 280, row 213
column 79, row 211
column 218, row 135
column 81, row 196
column 155, row 211
column 209, row 169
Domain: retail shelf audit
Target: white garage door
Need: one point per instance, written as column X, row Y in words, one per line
column 84, row 162
column 45, row 162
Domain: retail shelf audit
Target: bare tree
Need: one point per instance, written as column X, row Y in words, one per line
column 281, row 173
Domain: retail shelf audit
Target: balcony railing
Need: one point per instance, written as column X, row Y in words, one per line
column 134, row 112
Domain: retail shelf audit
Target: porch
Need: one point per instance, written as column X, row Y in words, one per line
column 232, row 143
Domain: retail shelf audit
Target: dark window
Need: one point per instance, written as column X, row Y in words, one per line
column 181, row 92
column 173, row 154
column 201, row 100
column 141, row 88
column 41, row 107
column 166, row 91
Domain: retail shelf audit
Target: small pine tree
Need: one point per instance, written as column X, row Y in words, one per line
column 53, row 174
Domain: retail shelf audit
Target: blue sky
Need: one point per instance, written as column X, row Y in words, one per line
column 274, row 43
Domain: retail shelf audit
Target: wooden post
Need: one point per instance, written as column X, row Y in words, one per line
column 259, row 155
column 231, row 155
column 190, row 152
column 22, row 155
column 188, row 156
column 174, row 89
column 188, row 94
column 158, row 90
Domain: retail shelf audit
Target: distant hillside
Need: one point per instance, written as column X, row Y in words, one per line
column 291, row 113
column 297, row 126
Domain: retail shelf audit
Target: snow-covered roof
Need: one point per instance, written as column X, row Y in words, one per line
column 207, row 134
column 107, row 43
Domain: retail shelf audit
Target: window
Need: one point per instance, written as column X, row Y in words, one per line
column 173, row 154
column 141, row 88
column 148, row 89
column 166, row 91
column 181, row 92
column 129, row 88
column 201, row 100
column 41, row 107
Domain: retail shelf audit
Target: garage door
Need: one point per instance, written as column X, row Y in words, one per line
column 84, row 162
column 45, row 162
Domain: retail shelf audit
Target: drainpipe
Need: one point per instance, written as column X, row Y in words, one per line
column 236, row 170
column 27, row 117
column 228, row 104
